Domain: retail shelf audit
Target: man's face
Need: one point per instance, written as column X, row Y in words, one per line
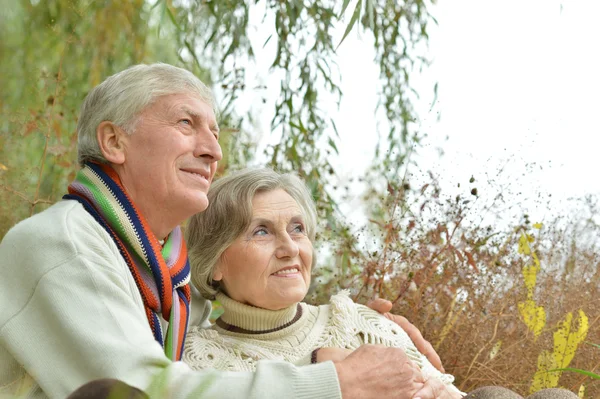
column 171, row 158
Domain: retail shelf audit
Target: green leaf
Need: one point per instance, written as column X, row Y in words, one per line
column 267, row 41
column 335, row 128
column 332, row 145
column 579, row 371
column 435, row 96
column 344, row 6
column 371, row 14
column 592, row 344
column 210, row 39
column 355, row 16
column 298, row 126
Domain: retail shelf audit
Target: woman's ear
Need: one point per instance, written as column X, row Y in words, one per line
column 217, row 274
column 111, row 140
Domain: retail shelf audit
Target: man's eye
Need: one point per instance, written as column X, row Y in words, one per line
column 185, row 121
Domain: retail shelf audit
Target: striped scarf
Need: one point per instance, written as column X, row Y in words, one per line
column 161, row 274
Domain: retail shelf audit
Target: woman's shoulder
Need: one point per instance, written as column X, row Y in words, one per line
column 342, row 304
column 205, row 348
column 344, row 311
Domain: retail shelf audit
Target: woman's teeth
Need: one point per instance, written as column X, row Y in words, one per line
column 286, row 271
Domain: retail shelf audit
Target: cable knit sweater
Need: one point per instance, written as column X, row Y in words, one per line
column 244, row 334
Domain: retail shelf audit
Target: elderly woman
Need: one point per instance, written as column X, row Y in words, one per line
column 252, row 250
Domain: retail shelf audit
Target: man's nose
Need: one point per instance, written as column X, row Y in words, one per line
column 207, row 146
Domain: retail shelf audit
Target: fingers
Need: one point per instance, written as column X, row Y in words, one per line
column 421, row 343
column 427, row 349
column 380, row 305
column 433, row 389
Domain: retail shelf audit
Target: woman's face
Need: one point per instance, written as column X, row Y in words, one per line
column 269, row 265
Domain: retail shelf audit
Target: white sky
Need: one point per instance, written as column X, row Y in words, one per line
column 519, row 89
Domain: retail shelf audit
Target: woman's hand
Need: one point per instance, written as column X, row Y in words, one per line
column 434, row 388
column 333, row 354
column 382, row 306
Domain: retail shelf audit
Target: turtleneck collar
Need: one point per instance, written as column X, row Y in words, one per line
column 238, row 317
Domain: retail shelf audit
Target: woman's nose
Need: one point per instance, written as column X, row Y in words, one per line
column 287, row 248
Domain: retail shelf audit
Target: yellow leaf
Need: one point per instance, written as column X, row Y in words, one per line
column 496, row 349
column 535, row 260
column 524, row 244
column 533, row 316
column 542, row 379
column 530, row 277
column 581, row 393
column 3, row 167
column 566, row 341
column 537, row 225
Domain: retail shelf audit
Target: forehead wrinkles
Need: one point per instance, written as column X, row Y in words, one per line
column 279, row 209
column 183, row 101
column 204, row 114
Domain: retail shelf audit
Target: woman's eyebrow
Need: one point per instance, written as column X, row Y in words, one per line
column 260, row 221
column 297, row 218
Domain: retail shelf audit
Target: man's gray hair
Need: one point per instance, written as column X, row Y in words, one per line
column 123, row 96
column 229, row 214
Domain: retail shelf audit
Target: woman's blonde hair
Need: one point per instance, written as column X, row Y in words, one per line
column 229, row 214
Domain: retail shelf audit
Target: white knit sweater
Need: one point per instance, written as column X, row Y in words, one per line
column 245, row 334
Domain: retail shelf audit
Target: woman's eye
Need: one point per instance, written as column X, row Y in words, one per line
column 298, row 228
column 261, row 231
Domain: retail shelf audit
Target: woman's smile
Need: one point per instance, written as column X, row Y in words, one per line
column 289, row 272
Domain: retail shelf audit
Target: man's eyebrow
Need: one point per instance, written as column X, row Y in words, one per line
column 213, row 126
column 191, row 112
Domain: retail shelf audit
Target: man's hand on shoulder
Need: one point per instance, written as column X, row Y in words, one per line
column 382, row 306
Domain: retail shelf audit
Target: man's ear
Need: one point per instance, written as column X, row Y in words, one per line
column 111, row 139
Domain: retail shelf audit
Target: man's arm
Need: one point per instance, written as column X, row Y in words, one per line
column 382, row 306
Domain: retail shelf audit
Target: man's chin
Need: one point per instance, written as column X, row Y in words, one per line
column 199, row 204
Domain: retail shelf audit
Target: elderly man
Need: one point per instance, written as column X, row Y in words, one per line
column 96, row 286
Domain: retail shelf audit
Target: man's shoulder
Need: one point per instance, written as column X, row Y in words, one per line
column 53, row 235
